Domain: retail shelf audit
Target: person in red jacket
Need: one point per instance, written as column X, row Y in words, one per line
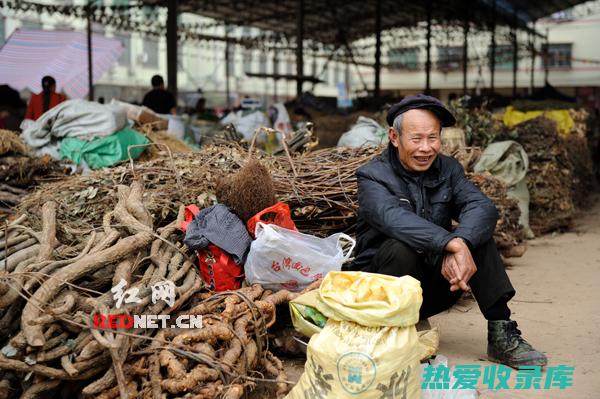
column 46, row 99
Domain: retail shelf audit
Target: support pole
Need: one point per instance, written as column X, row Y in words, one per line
column 299, row 42
column 465, row 60
column 89, row 52
column 172, row 47
column 532, row 71
column 547, row 58
column 227, row 69
column 377, row 91
column 493, row 48
column 515, row 53
column 428, row 62
column 275, row 73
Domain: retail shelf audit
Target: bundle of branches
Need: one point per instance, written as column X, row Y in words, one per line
column 319, row 186
column 480, row 125
column 51, row 293
column 19, row 171
column 550, row 175
column 509, row 234
column 300, row 141
column 467, row 156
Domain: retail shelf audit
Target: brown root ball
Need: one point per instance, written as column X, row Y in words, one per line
column 247, row 192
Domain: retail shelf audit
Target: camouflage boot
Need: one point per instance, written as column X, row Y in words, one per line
column 506, row 346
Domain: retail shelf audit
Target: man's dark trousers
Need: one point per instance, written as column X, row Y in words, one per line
column 490, row 285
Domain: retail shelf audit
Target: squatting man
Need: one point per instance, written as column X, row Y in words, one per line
column 408, row 197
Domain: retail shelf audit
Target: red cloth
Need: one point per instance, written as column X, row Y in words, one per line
column 35, row 109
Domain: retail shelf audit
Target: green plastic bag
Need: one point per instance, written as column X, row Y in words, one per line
column 103, row 152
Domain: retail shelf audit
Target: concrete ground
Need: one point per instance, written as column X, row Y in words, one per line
column 556, row 307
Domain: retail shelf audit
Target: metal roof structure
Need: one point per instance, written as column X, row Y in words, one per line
column 341, row 22
column 338, row 21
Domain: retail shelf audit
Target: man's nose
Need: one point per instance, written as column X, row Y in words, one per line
column 424, row 146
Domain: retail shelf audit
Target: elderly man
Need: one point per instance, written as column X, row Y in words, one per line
column 408, row 197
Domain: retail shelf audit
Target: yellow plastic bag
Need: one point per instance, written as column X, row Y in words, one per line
column 370, row 299
column 349, row 360
column 562, row 117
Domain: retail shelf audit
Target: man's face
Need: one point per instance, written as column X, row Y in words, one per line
column 419, row 143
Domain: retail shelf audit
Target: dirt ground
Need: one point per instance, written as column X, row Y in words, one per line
column 556, row 307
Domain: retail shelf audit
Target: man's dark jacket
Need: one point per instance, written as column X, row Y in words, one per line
column 418, row 208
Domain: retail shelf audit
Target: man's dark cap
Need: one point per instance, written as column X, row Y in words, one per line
column 421, row 101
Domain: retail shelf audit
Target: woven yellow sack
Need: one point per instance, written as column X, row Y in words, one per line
column 369, row 347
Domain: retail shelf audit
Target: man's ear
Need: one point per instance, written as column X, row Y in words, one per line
column 394, row 137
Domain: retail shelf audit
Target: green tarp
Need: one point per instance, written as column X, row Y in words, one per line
column 103, row 151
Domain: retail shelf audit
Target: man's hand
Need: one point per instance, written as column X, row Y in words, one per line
column 458, row 266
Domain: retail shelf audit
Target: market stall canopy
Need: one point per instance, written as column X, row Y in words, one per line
column 30, row 54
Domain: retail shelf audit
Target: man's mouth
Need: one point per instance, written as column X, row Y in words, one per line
column 422, row 160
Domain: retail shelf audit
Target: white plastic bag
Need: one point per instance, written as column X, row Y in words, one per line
column 280, row 258
column 366, row 132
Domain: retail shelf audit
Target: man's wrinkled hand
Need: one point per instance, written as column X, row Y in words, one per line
column 458, row 265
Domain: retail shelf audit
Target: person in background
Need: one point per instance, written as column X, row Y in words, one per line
column 48, row 98
column 203, row 113
column 159, row 99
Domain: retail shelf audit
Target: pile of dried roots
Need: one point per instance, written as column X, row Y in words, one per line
column 509, row 234
column 550, row 175
column 579, row 153
column 50, row 292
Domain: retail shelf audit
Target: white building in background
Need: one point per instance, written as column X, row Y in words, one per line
column 573, row 63
column 201, row 64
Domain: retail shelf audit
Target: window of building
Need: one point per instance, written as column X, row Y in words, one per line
column 324, row 75
column 275, row 64
column 262, row 63
column 503, row 56
column 403, row 58
column 231, row 63
column 337, row 74
column 150, row 53
column 449, row 58
column 125, row 58
column 247, row 60
column 180, row 56
column 559, row 55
